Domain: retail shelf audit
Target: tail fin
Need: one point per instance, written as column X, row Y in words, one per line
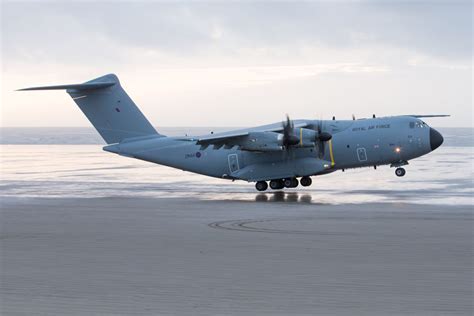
column 108, row 107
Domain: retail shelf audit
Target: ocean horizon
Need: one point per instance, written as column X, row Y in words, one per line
column 453, row 136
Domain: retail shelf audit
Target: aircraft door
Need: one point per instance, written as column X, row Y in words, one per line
column 233, row 163
column 361, row 154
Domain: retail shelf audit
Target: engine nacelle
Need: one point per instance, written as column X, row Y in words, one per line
column 262, row 141
column 306, row 136
column 271, row 141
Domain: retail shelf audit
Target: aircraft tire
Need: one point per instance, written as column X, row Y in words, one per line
column 290, row 183
column 261, row 185
column 294, row 183
column 400, row 172
column 276, row 184
column 306, row 181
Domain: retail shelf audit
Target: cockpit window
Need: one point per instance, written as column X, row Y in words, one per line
column 420, row 124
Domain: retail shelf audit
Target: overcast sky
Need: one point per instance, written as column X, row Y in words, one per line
column 244, row 63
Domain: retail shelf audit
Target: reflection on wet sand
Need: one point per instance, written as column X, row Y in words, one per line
column 85, row 171
column 281, row 196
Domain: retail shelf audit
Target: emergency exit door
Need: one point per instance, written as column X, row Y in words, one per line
column 361, row 154
column 233, row 163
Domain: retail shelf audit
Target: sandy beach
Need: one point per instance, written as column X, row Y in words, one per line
column 83, row 232
column 278, row 254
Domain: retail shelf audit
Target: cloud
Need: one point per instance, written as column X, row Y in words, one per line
column 234, row 58
column 97, row 32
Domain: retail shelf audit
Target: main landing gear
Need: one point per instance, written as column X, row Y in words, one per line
column 306, row 181
column 278, row 184
column 290, row 183
column 400, row 172
column 261, row 185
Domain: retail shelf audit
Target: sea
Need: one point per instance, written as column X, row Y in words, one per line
column 70, row 162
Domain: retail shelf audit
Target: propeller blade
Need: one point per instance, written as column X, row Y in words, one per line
column 321, row 139
column 289, row 138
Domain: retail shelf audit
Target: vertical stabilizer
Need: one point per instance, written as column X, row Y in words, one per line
column 108, row 107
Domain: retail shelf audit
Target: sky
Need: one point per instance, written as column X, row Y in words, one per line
column 241, row 63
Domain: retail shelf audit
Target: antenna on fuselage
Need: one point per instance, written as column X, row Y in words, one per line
column 333, row 118
column 373, row 115
column 353, row 117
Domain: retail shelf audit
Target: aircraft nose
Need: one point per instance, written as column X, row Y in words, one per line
column 436, row 139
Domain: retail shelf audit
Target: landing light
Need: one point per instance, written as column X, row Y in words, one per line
column 397, row 150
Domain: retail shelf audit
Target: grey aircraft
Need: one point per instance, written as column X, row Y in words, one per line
column 274, row 155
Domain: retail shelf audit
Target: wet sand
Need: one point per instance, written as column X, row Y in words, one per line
column 279, row 254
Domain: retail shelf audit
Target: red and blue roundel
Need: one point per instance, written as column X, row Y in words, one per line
column 198, row 154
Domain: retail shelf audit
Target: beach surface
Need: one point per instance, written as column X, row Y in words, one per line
column 84, row 232
column 281, row 253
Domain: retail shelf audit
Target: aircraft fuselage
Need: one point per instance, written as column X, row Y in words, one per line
column 354, row 144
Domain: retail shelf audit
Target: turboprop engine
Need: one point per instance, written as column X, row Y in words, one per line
column 263, row 141
column 271, row 141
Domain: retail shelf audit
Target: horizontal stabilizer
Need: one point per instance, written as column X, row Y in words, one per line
column 80, row 86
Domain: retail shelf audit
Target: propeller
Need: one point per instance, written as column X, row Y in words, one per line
column 321, row 138
column 289, row 137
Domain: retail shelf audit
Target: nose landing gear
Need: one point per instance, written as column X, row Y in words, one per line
column 400, row 172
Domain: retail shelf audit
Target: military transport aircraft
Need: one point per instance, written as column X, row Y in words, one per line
column 274, row 155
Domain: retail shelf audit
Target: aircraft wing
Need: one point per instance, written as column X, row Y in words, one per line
column 429, row 115
column 233, row 138
column 220, row 138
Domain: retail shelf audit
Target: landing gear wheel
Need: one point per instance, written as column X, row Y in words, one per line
column 306, row 181
column 400, row 172
column 294, row 183
column 261, row 185
column 276, row 184
column 290, row 182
